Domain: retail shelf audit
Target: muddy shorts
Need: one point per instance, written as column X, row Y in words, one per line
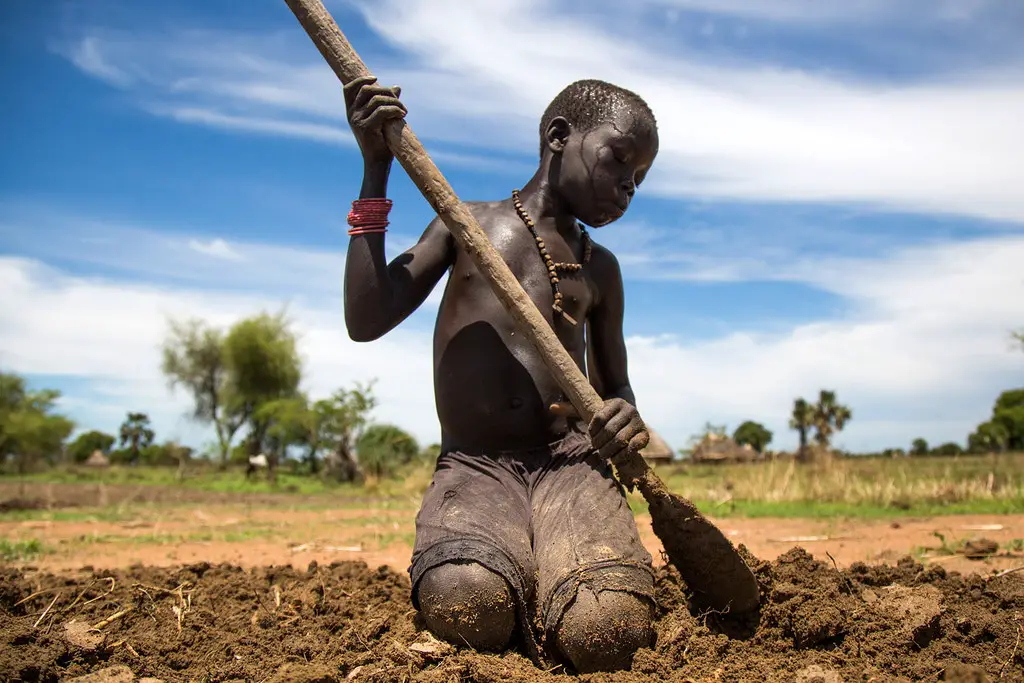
column 546, row 519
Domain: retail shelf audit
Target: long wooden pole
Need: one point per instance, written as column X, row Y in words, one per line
column 704, row 557
column 409, row 152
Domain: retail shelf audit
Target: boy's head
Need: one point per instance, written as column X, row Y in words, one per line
column 603, row 140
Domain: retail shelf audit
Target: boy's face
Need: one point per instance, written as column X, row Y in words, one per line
column 601, row 168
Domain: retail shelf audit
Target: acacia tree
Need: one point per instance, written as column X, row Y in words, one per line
column 919, row 447
column 193, row 358
column 264, row 366
column 235, row 377
column 136, row 434
column 801, row 419
column 828, row 417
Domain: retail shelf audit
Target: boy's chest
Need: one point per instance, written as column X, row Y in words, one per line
column 532, row 269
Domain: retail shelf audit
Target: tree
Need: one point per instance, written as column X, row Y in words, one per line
column 754, row 434
column 289, row 422
column 801, row 420
column 989, row 437
column 340, row 421
column 82, row 447
column 136, row 434
column 264, row 366
column 193, row 358
column 1009, row 412
column 1018, row 338
column 948, row 449
column 828, row 416
column 29, row 430
column 919, row 447
column 384, row 448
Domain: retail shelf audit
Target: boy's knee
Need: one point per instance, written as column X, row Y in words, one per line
column 602, row 631
column 467, row 604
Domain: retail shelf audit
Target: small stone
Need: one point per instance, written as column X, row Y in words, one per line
column 82, row 635
column 964, row 673
column 817, row 674
column 918, row 608
column 113, row 674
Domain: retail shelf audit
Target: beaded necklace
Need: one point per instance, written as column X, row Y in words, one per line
column 553, row 267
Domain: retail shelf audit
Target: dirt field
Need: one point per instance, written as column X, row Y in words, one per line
column 211, row 587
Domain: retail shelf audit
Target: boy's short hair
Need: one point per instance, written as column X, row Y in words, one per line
column 590, row 102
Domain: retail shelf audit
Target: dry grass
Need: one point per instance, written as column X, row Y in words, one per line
column 857, row 486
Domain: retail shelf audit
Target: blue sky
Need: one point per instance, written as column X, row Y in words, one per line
column 838, row 202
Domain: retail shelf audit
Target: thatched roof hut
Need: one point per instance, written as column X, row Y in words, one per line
column 97, row 459
column 718, row 448
column 656, row 450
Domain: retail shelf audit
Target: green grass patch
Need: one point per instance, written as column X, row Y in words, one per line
column 21, row 550
column 843, row 487
column 170, row 538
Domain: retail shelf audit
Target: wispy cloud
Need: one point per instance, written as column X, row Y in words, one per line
column 920, row 349
column 215, row 247
column 87, row 55
column 254, row 124
column 730, row 129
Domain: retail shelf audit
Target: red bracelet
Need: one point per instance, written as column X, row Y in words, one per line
column 369, row 216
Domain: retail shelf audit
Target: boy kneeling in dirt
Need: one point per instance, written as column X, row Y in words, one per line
column 523, row 524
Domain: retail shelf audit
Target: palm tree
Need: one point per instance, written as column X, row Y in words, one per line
column 828, row 417
column 801, row 421
column 136, row 434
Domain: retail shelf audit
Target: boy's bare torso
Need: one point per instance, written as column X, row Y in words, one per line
column 492, row 389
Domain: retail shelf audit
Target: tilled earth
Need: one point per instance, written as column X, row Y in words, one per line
column 346, row 621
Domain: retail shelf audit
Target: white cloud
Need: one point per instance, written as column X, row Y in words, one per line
column 814, row 11
column 110, row 333
column 922, row 352
column 268, row 126
column 730, row 129
column 88, row 56
column 216, row 247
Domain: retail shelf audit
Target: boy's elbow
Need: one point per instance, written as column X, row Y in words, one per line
column 361, row 332
column 363, row 328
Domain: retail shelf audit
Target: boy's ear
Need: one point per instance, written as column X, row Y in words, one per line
column 557, row 134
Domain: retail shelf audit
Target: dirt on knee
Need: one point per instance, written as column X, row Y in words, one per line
column 602, row 631
column 467, row 604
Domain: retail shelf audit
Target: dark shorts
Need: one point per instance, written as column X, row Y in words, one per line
column 547, row 520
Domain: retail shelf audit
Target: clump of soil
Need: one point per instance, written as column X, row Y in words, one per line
column 19, row 504
column 349, row 622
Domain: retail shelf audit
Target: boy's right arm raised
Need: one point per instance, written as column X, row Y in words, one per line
column 379, row 295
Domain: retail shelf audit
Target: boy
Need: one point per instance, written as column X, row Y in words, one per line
column 523, row 526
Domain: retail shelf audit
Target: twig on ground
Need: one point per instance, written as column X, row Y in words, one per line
column 113, row 584
column 112, row 618
column 45, row 611
column 35, row 595
column 158, row 589
column 1013, row 654
column 78, row 597
column 1006, row 572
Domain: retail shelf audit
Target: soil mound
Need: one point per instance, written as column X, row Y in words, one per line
column 347, row 621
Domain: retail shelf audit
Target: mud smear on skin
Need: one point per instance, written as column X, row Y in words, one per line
column 347, row 621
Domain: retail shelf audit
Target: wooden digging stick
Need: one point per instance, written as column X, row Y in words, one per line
column 706, row 560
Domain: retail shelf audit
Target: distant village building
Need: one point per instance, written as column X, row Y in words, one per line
column 718, row 448
column 657, row 450
column 97, row 459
